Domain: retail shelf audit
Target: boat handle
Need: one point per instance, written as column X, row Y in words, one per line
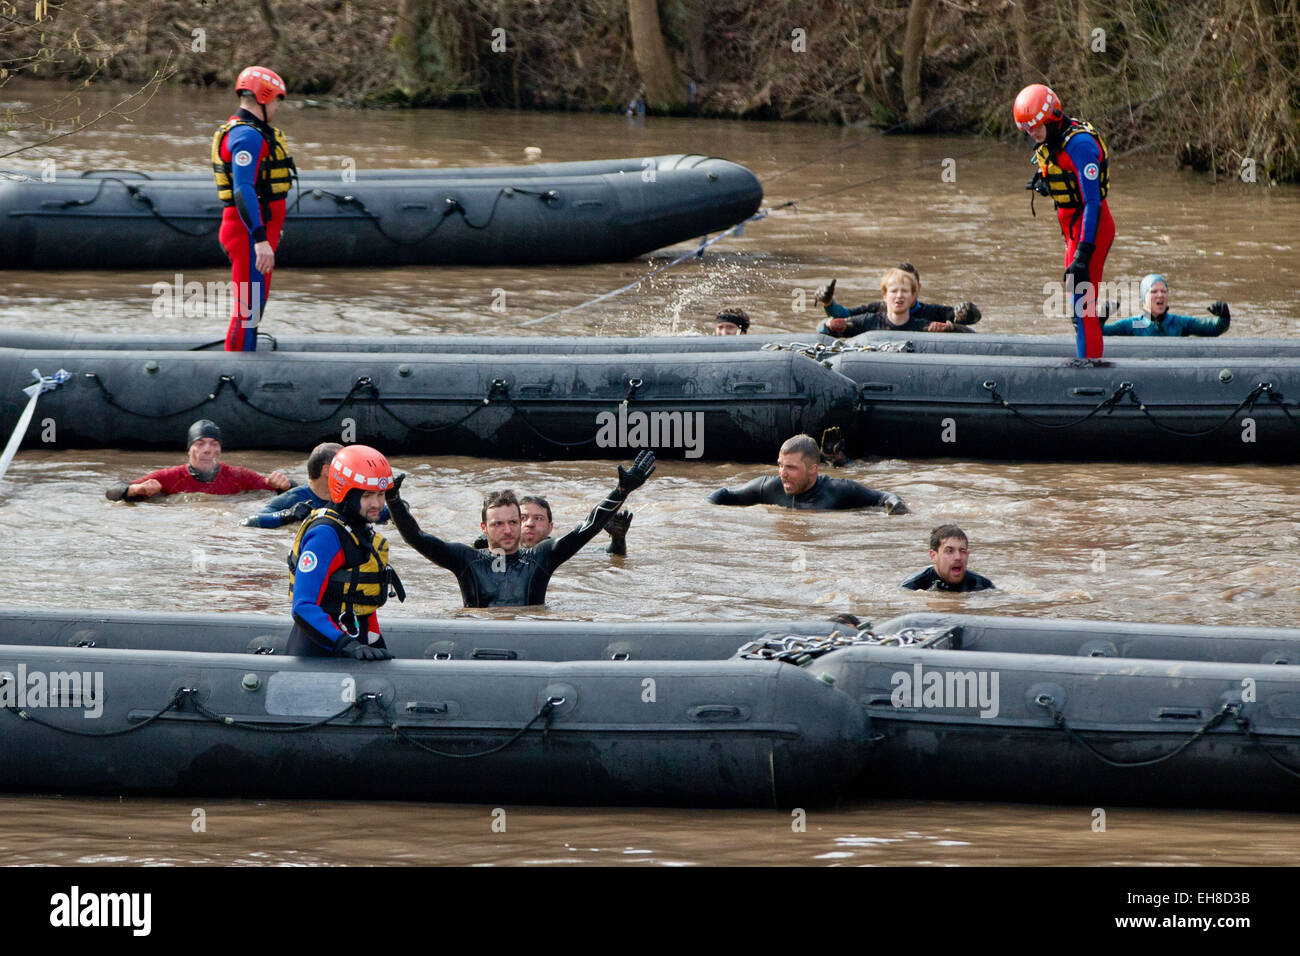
column 876, row 387
column 620, row 656
column 750, row 387
column 494, row 654
column 426, row 707
column 716, row 712
column 1088, row 390
column 1178, row 713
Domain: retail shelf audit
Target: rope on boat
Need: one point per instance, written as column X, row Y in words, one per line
column 1126, row 388
column 174, row 703
column 543, row 714
column 1046, row 701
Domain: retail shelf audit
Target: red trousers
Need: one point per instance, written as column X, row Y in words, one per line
column 1087, row 328
column 249, row 288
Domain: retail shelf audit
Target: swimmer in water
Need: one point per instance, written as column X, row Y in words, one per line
column 797, row 485
column 1156, row 319
column 507, row 574
column 949, row 556
column 897, row 311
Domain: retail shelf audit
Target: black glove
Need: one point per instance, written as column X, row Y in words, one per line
column 826, row 294
column 394, row 491
column 300, row 511
column 966, row 313
column 1083, row 256
column 1220, row 309
column 630, row 479
column 893, row 505
column 364, row 652
column 1038, row 184
column 1079, row 267
column 119, row 492
column 617, row 528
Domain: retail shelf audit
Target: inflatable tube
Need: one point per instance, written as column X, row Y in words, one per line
column 726, row 733
column 1020, row 635
column 567, row 212
column 1062, row 347
column 975, row 725
column 502, row 406
column 1018, row 408
column 456, row 639
column 458, row 344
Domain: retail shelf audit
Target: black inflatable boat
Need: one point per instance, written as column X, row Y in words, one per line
column 596, row 211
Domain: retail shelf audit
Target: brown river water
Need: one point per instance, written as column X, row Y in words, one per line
column 1205, row 544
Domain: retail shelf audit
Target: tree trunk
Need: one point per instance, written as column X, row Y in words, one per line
column 918, row 26
column 1031, row 57
column 664, row 89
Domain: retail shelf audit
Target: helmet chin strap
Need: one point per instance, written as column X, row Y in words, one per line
column 350, row 509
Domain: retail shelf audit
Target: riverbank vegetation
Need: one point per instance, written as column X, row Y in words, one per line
column 1213, row 84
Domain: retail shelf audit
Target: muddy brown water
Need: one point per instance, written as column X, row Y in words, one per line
column 1195, row 543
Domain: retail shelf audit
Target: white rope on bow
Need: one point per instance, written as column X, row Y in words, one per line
column 43, row 383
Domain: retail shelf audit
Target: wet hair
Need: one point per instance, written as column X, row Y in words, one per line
column 908, row 267
column 900, row 273
column 945, row 531
column 320, row 458
column 804, row 445
column 736, row 317
column 498, row 499
column 540, row 502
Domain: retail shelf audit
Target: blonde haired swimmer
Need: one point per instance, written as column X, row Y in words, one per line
column 898, row 311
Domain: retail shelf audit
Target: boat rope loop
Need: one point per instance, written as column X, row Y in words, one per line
column 1246, row 728
column 1248, row 403
column 140, row 196
column 173, row 704
column 500, row 385
column 450, row 206
column 357, row 705
column 543, row 714
column 1126, row 388
column 111, row 401
column 1108, row 403
column 801, row 649
column 1047, row 702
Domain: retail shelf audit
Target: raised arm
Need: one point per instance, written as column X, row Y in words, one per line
column 629, row 479
column 432, row 547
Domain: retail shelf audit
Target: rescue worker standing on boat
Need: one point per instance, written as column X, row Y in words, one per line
column 1073, row 169
column 254, row 171
column 338, row 567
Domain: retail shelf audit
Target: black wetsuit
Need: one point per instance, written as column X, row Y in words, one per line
column 825, row 494
column 875, row 318
column 929, row 580
column 495, row 580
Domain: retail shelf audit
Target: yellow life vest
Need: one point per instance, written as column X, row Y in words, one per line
column 360, row 586
column 1064, row 186
column 275, row 174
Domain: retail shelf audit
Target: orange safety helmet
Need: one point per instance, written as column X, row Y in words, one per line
column 264, row 84
column 358, row 466
column 1036, row 105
